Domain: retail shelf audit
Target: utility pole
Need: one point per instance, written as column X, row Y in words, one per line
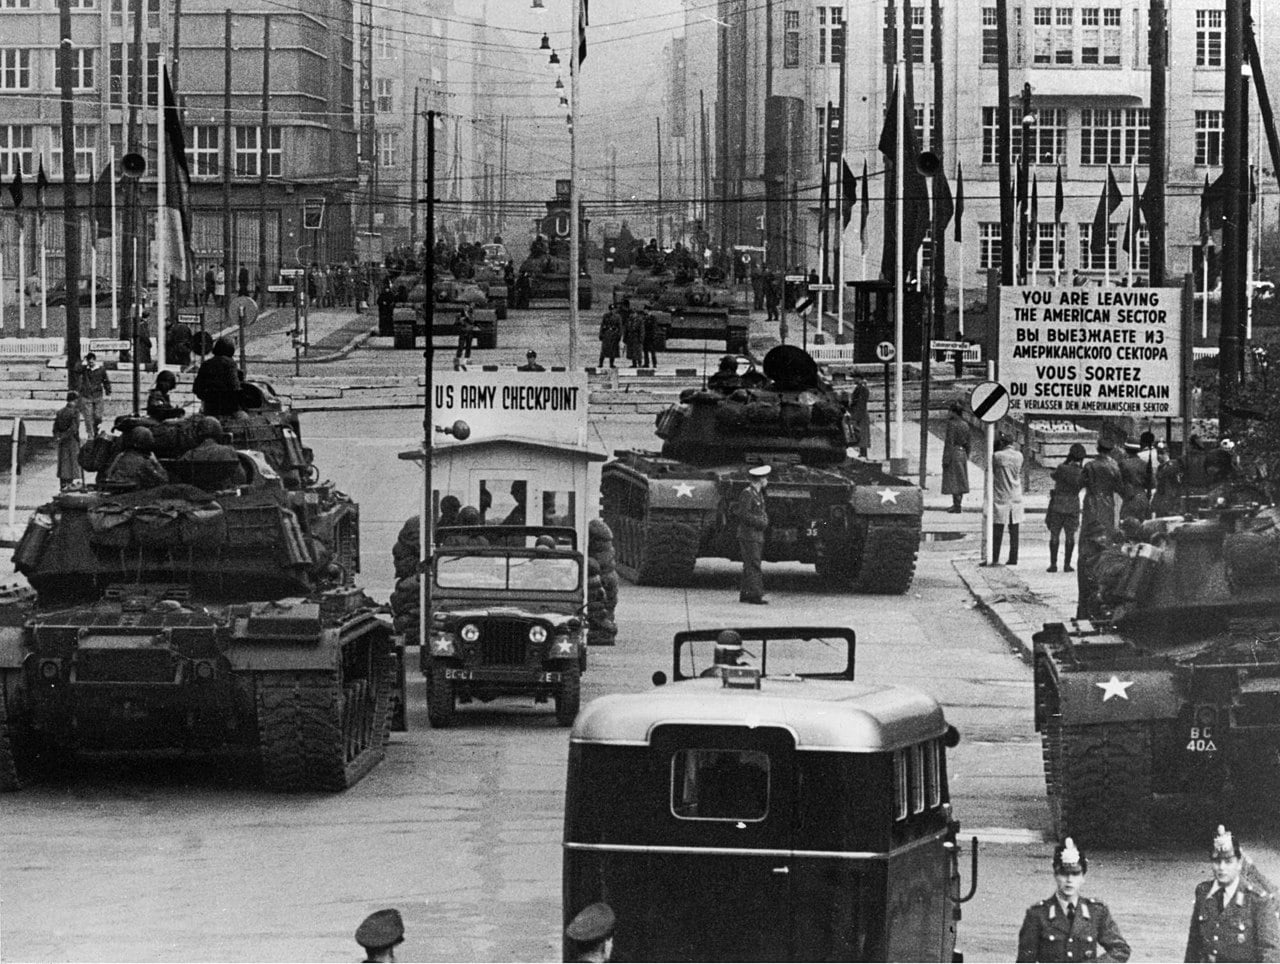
column 413, row 176
column 426, row 522
column 1235, row 211
column 136, row 68
column 177, row 36
column 1026, row 245
column 659, row 217
column 1004, row 142
column 1158, row 44
column 70, row 191
column 263, row 154
column 227, row 132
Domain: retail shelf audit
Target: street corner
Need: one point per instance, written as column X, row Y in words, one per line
column 1015, row 608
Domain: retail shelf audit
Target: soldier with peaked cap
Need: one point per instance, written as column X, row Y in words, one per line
column 380, row 933
column 590, row 934
column 1067, row 926
column 753, row 520
column 1235, row 917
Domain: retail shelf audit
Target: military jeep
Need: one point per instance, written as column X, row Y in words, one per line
column 507, row 618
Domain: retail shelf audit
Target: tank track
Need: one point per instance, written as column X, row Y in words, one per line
column 660, row 550
column 314, row 735
column 888, row 561
column 11, row 777
column 1099, row 781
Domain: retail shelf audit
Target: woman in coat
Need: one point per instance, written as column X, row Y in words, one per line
column 955, row 457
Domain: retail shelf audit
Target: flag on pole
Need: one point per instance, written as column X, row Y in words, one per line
column 1210, row 212
column 959, row 203
column 1148, row 203
column 177, row 209
column 1133, row 224
column 915, row 194
column 1058, row 199
column 866, row 208
column 15, row 189
column 42, row 185
column 1033, row 228
column 1108, row 201
column 944, row 207
column 582, row 33
column 849, row 187
column 102, row 201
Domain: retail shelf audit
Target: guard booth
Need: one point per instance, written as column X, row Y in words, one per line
column 873, row 320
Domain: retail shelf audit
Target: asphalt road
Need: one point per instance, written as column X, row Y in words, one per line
column 187, row 860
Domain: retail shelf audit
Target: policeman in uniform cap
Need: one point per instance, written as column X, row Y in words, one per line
column 1066, row 926
column 1235, row 917
column 753, row 520
column 379, row 934
column 590, row 934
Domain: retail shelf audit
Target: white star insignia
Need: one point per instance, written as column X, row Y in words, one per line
column 683, row 490
column 1113, row 687
column 887, row 496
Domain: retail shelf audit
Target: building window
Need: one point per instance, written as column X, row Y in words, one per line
column 1053, row 36
column 384, row 95
column 15, row 4
column 1098, row 262
column 86, row 154
column 388, row 149
column 1044, row 247
column 791, row 38
column 989, row 245
column 275, row 152
column 1208, row 138
column 990, row 37
column 81, row 70
column 819, row 133
column 83, row 4
column 117, row 12
column 922, row 121
column 830, row 35
column 1048, row 135
column 915, row 47
column 206, row 151
column 382, row 43
column 15, row 69
column 15, row 149
column 246, row 152
column 1209, row 33
column 118, row 79
column 153, row 74
column 1115, row 136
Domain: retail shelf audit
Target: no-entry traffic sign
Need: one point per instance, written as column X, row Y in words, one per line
column 885, row 351
column 989, row 401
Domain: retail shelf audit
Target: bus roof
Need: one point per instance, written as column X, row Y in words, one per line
column 828, row 715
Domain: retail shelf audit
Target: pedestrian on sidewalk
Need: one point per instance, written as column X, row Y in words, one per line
column 1067, row 926
column 1100, row 480
column 1063, row 514
column 94, row 385
column 1006, row 509
column 955, row 454
column 1235, row 915
column 66, row 432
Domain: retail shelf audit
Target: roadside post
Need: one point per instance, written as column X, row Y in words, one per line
column 886, row 351
column 989, row 402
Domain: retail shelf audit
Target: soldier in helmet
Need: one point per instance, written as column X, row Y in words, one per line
column 136, row 467
column 726, row 379
column 212, row 449
column 217, row 383
column 729, row 652
column 1067, row 926
column 1235, row 915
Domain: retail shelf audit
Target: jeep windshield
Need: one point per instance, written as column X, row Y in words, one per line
column 513, row 573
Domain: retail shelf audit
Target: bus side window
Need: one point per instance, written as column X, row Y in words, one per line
column 899, row 784
column 915, row 778
column 932, row 775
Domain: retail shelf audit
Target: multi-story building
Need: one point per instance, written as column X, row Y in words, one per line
column 307, row 144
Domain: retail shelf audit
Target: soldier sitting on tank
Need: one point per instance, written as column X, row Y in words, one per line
column 726, row 379
column 136, row 467
column 217, row 383
column 158, row 405
column 214, row 452
column 754, row 378
column 538, row 249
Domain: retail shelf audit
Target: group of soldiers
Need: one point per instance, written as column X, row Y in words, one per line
column 634, row 329
column 1235, row 915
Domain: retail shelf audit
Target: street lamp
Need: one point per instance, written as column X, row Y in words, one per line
column 559, row 84
column 546, row 43
column 537, row 5
column 554, row 58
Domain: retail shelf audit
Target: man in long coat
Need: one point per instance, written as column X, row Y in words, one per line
column 955, row 456
column 66, row 431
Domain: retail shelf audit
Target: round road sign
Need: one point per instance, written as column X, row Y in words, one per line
column 989, row 401
column 885, row 351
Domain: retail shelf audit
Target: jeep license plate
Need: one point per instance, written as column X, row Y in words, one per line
column 458, row 674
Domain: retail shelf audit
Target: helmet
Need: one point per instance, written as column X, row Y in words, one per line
column 469, row 515
column 224, row 346
column 140, row 439
column 209, row 427
column 166, row 379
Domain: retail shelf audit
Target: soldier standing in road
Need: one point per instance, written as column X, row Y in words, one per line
column 1136, row 482
column 649, row 339
column 1234, row 918
column 955, row 454
column 753, row 520
column 772, row 295
column 632, row 333
column 610, row 337
column 1100, row 480
column 380, row 933
column 590, row 933
column 466, row 333
column 1063, row 515
column 1067, row 926
column 859, row 399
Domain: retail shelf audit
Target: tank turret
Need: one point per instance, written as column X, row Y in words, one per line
column 788, row 412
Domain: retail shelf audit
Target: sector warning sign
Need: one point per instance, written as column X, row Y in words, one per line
column 1092, row 351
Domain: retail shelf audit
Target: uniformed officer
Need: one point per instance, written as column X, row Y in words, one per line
column 1067, row 926
column 753, row 520
column 590, row 934
column 379, row 933
column 1235, row 917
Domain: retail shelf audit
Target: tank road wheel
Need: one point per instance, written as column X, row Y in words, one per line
column 666, row 553
column 1102, row 778
column 318, row 731
column 569, row 696
column 440, row 701
column 888, row 558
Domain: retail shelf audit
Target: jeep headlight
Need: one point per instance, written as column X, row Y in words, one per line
column 443, row 644
column 537, row 634
column 470, row 632
column 561, row 648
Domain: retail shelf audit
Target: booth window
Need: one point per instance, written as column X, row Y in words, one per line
column 711, row 784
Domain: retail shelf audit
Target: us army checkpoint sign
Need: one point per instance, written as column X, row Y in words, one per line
column 1092, row 351
column 544, row 406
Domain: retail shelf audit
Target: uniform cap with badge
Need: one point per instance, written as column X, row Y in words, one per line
column 1224, row 844
column 593, row 924
column 1067, row 859
column 760, row 471
column 382, row 928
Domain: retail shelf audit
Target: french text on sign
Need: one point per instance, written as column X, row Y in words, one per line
column 885, row 351
column 989, row 401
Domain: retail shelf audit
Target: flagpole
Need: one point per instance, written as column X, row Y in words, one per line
column 899, row 260
column 844, row 145
column 1204, row 292
column 115, row 248
column 1106, row 231
column 22, row 273
column 162, row 218
column 1033, row 232
column 1, row 287
column 44, row 280
column 960, row 267
column 1132, row 226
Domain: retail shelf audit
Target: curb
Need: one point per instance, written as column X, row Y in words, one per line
column 338, row 355
column 1003, row 614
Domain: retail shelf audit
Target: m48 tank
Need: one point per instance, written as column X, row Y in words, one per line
column 858, row 525
column 215, row 611
column 700, row 308
column 1174, row 685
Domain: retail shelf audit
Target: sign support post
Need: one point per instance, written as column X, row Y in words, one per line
column 886, row 351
